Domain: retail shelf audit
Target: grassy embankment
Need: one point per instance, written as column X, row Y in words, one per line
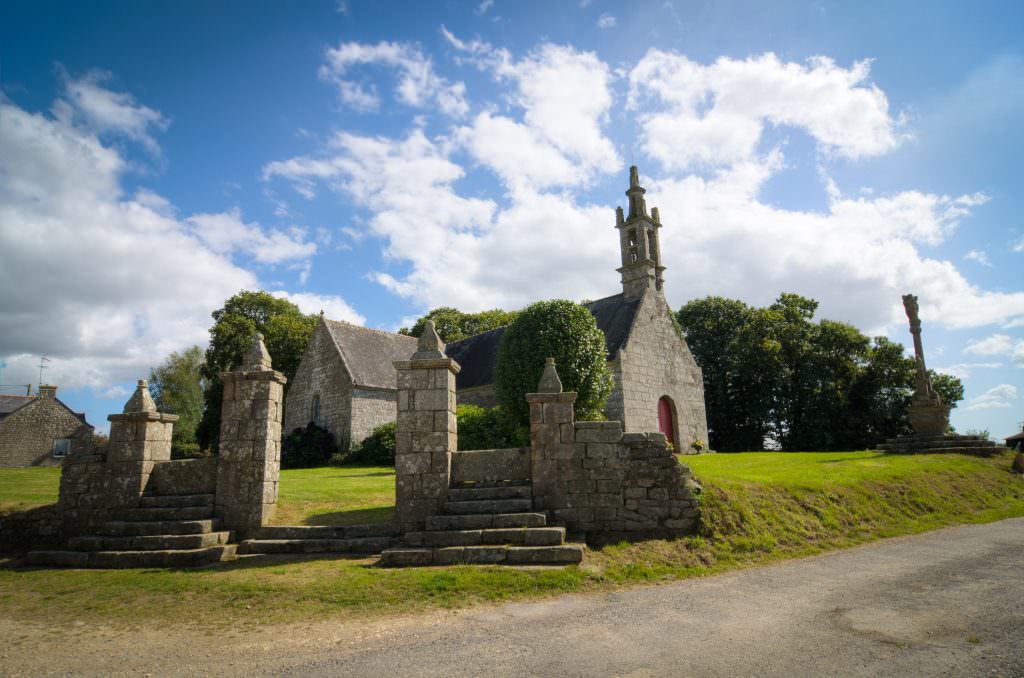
column 758, row 508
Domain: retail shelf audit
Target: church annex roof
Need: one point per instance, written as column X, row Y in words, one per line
column 369, row 354
column 477, row 355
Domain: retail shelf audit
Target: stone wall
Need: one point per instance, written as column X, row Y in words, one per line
column 489, row 466
column 184, row 476
column 27, row 435
column 594, row 478
column 29, row 530
column 656, row 362
column 370, row 409
column 322, row 373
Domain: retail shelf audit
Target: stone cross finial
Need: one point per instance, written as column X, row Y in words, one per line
column 549, row 381
column 430, row 346
column 257, row 358
column 141, row 400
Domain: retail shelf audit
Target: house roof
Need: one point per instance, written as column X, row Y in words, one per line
column 1015, row 437
column 12, row 403
column 477, row 355
column 369, row 354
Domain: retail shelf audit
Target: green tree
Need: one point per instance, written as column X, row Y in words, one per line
column 482, row 428
column 177, row 387
column 454, row 325
column 565, row 331
column 286, row 331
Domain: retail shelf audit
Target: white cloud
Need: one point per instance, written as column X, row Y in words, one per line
column 105, row 285
column 418, row 85
column 606, row 21
column 482, row 8
column 333, row 306
column 997, row 344
column 996, row 397
column 964, row 370
column 1018, row 246
column 715, row 114
column 978, row 256
column 102, row 111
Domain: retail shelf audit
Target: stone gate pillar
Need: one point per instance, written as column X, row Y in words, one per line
column 552, row 438
column 250, row 442
column 139, row 438
column 425, row 431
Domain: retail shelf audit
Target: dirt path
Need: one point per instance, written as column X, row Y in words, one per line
column 949, row 602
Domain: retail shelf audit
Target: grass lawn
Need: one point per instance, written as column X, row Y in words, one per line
column 757, row 508
column 24, row 488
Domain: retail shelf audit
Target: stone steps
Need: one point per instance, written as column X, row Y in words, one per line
column 520, row 536
column 485, row 520
column 177, row 513
column 132, row 559
column 365, row 545
column 328, row 531
column 175, row 500
column 941, row 444
column 485, row 493
column 157, row 542
column 477, row 507
column 565, row 554
column 120, row 528
column 972, row 451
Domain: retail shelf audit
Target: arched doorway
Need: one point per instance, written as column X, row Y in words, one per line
column 666, row 419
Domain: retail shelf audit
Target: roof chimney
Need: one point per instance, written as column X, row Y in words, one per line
column 47, row 391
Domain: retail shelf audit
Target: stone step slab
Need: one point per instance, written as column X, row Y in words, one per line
column 328, row 531
column 112, row 560
column 972, row 451
column 488, row 506
column 480, row 521
column 159, row 542
column 520, row 536
column 366, row 545
column 485, row 493
column 175, row 500
column 566, row 554
column 162, row 514
column 120, row 528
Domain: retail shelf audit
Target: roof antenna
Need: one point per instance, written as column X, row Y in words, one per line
column 42, row 366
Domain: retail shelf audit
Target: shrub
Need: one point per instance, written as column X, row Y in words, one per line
column 377, row 449
column 308, row 447
column 565, row 331
column 487, row 429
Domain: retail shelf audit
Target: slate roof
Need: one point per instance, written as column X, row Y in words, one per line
column 369, row 354
column 10, row 403
column 477, row 355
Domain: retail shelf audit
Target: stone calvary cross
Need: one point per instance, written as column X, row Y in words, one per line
column 927, row 413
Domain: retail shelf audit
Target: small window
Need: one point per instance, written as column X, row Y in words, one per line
column 61, row 447
column 314, row 414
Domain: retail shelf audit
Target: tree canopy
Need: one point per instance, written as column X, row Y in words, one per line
column 286, row 332
column 773, row 376
column 177, row 388
column 565, row 331
column 454, row 325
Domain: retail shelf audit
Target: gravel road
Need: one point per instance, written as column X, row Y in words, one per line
column 949, row 602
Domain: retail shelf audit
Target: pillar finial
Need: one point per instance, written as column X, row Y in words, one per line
column 549, row 381
column 430, row 346
column 141, row 400
column 257, row 358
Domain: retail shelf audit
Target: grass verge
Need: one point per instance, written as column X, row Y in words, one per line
column 758, row 508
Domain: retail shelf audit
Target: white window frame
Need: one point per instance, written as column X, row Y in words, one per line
column 57, row 454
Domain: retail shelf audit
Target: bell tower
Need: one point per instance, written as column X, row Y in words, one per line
column 638, row 239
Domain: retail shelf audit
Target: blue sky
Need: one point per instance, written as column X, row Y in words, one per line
column 380, row 159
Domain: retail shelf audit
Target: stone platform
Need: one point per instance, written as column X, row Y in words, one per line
column 942, row 444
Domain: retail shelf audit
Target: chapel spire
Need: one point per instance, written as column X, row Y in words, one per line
column 638, row 238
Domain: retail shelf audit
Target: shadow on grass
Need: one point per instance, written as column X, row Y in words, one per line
column 842, row 459
column 379, row 514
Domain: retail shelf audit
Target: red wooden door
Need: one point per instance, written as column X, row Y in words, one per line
column 665, row 423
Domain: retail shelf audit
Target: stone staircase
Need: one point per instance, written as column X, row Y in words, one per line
column 162, row 531
column 942, row 444
column 492, row 523
column 353, row 539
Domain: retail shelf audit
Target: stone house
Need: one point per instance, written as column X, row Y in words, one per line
column 40, row 430
column 658, row 384
column 346, row 381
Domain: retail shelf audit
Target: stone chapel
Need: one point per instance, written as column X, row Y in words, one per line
column 346, row 380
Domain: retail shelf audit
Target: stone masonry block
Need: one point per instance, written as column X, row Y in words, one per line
column 410, row 464
column 536, row 413
column 560, row 451
column 598, row 435
column 429, row 442
column 440, row 462
column 557, row 413
column 568, row 433
column 602, row 450
column 432, row 399
column 545, row 435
